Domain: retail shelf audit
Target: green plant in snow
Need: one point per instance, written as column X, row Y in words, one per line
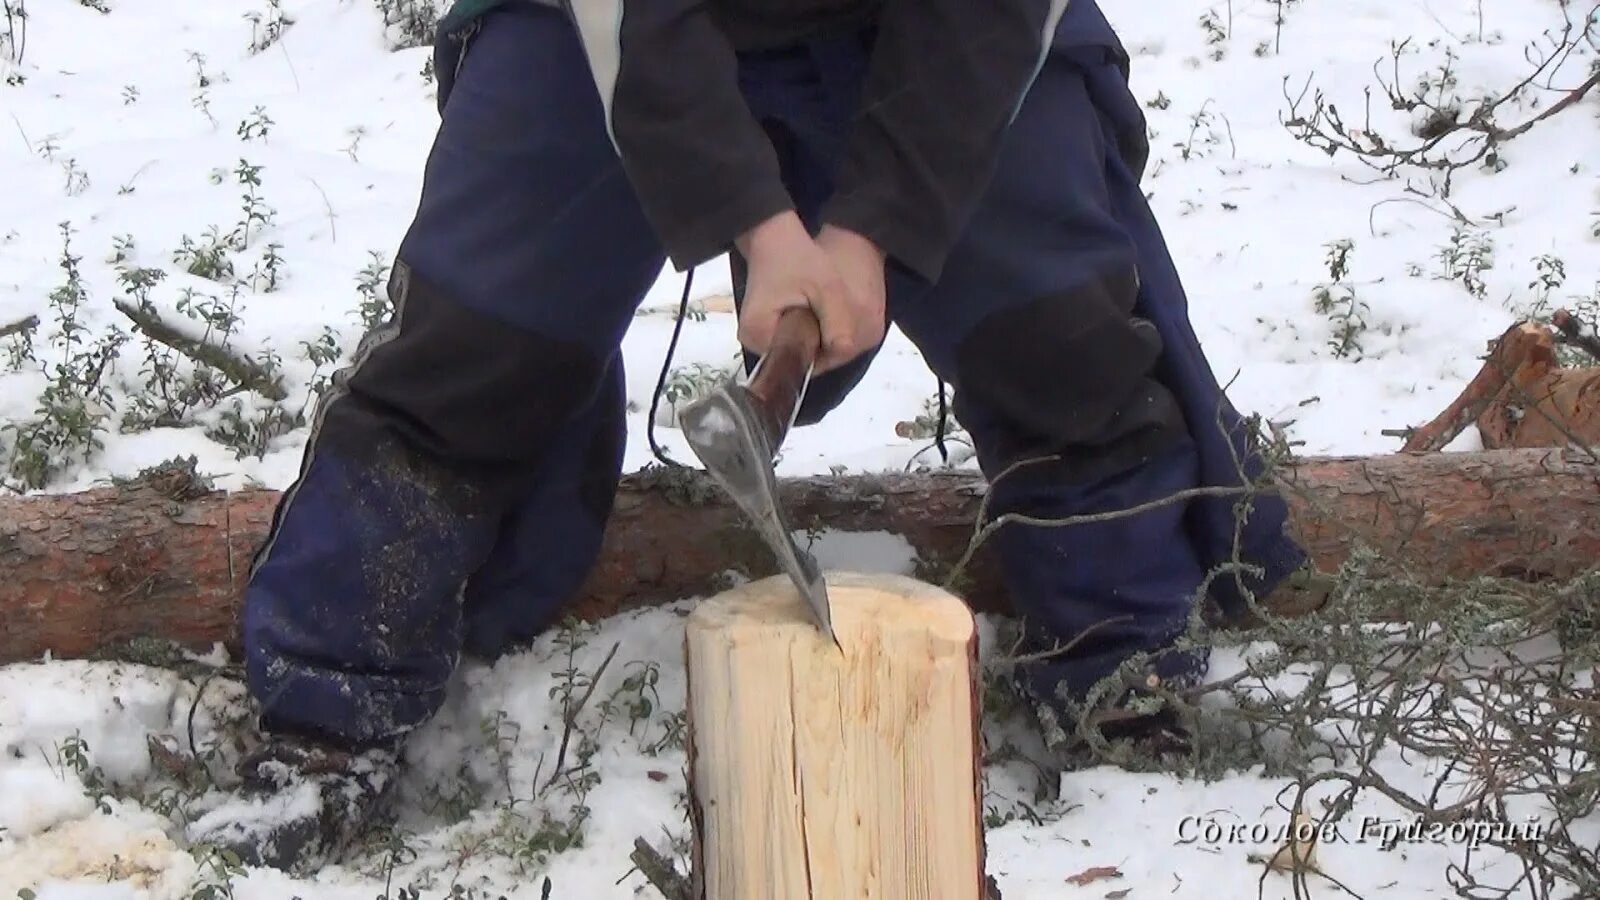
column 255, row 214
column 689, row 382
column 267, row 28
column 1465, row 257
column 74, row 404
column 409, row 23
column 251, row 432
column 208, row 260
column 77, row 180
column 14, row 39
column 322, row 353
column 375, row 308
column 256, row 126
column 174, row 387
column 1216, row 34
column 202, row 87
column 72, row 755
column 19, row 345
column 356, row 133
column 123, row 247
column 219, row 867
column 1197, row 144
column 268, row 271
column 1337, row 301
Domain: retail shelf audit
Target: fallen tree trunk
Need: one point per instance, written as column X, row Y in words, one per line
column 91, row 570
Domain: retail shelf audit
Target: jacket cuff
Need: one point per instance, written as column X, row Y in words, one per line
column 706, row 236
column 908, row 239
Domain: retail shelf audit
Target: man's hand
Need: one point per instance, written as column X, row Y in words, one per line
column 860, row 263
column 787, row 268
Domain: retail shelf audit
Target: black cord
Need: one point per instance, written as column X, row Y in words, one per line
column 938, row 433
column 661, row 382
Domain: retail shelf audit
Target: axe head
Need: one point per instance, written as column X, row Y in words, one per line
column 736, row 435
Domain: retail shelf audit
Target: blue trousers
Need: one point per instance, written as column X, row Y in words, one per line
column 461, row 470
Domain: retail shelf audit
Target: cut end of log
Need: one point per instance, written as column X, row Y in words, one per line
column 866, row 609
column 836, row 771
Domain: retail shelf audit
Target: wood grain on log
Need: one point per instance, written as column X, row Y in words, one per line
column 90, row 570
column 823, row 771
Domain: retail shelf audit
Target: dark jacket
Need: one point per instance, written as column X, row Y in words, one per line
column 947, row 76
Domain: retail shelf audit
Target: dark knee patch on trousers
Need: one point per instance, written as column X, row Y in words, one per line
column 458, row 389
column 597, row 486
column 1070, row 374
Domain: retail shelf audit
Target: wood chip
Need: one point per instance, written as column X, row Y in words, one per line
column 1093, row 874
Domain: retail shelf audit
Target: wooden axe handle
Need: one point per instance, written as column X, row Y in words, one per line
column 786, row 367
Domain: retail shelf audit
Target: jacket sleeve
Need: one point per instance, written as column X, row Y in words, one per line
column 945, row 80
column 703, row 169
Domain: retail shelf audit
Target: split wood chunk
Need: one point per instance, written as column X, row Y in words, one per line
column 821, row 773
column 1522, row 397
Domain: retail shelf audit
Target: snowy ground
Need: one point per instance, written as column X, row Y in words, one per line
column 114, row 135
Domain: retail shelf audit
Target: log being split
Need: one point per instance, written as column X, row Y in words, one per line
column 86, row 571
column 819, row 771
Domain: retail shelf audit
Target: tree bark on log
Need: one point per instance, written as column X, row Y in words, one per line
column 87, row 571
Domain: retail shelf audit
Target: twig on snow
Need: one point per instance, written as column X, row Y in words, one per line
column 569, row 717
column 28, row 324
column 659, row 871
column 243, row 371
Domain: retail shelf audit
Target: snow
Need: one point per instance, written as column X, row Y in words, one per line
column 860, row 551
column 1248, row 211
column 469, row 804
column 43, row 799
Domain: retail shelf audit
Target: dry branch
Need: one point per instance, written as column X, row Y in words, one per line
column 91, row 570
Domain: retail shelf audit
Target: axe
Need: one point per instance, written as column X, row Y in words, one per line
column 736, row 431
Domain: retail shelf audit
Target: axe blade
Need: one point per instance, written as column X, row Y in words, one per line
column 736, row 439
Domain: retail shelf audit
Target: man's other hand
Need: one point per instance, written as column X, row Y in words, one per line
column 860, row 263
column 838, row 274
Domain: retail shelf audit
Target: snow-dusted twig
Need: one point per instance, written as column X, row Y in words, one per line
column 242, row 371
column 28, row 324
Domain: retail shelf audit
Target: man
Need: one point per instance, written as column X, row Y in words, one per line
column 967, row 170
